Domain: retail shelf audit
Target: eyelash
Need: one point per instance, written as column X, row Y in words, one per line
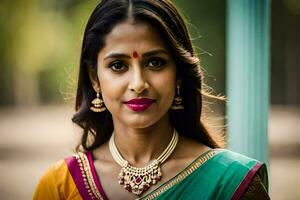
column 161, row 63
column 117, row 62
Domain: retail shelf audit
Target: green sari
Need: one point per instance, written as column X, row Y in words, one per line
column 218, row 174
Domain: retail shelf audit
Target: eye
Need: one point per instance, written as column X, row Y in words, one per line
column 156, row 63
column 117, row 66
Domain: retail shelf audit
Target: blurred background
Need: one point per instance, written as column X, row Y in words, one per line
column 39, row 55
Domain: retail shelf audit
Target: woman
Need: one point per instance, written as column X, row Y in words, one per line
column 139, row 103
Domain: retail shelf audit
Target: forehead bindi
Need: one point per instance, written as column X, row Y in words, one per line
column 135, row 54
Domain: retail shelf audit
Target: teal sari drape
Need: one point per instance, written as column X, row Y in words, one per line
column 219, row 174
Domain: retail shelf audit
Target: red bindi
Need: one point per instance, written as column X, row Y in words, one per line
column 135, row 54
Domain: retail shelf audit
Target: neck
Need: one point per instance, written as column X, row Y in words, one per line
column 141, row 145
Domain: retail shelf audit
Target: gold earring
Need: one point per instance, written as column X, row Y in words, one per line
column 177, row 103
column 98, row 104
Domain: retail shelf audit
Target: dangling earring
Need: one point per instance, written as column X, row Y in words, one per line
column 177, row 103
column 98, row 105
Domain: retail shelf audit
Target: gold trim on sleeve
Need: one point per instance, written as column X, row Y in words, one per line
column 87, row 176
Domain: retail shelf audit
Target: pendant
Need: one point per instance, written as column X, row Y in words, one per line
column 138, row 180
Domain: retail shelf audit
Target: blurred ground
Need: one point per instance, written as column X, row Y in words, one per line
column 32, row 139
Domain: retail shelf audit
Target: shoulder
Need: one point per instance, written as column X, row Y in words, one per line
column 56, row 182
column 239, row 173
column 61, row 168
column 231, row 159
column 237, row 165
column 54, row 171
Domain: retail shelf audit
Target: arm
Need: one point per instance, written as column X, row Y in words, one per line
column 47, row 188
column 257, row 189
column 254, row 184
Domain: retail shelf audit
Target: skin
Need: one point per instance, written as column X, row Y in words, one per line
column 126, row 70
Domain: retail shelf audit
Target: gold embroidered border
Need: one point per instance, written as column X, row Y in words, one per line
column 181, row 175
column 87, row 176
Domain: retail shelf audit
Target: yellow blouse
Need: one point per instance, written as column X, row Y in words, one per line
column 57, row 183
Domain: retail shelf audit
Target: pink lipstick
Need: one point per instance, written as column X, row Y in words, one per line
column 139, row 104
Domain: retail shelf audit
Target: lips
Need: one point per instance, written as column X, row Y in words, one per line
column 139, row 104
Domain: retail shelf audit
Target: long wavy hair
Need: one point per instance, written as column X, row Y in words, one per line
column 163, row 16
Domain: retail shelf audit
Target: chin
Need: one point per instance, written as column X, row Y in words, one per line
column 143, row 121
column 140, row 124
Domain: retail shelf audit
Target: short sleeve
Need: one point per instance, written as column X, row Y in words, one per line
column 57, row 184
column 47, row 188
column 258, row 187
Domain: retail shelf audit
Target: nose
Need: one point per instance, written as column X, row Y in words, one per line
column 138, row 82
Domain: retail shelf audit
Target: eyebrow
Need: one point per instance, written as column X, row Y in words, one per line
column 147, row 54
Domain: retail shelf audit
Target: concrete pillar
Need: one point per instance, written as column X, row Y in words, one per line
column 248, row 52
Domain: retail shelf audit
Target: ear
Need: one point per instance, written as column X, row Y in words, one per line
column 94, row 78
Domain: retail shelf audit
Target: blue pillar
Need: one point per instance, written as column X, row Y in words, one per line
column 248, row 52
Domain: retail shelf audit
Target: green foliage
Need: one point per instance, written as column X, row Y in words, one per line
column 206, row 23
column 41, row 37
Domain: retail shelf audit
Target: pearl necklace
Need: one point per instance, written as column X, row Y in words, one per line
column 138, row 180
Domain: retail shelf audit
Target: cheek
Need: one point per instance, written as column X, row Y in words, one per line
column 111, row 96
column 165, row 84
column 111, row 87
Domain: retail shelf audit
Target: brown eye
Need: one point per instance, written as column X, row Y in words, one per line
column 156, row 63
column 118, row 66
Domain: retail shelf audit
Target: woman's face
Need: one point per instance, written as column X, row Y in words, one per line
column 137, row 75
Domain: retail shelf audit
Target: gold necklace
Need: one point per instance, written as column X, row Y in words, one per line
column 138, row 180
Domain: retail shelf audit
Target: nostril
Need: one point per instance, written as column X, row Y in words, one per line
column 138, row 82
column 139, row 87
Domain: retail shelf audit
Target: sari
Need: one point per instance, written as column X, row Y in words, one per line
column 216, row 174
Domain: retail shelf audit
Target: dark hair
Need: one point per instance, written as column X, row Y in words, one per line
column 163, row 15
